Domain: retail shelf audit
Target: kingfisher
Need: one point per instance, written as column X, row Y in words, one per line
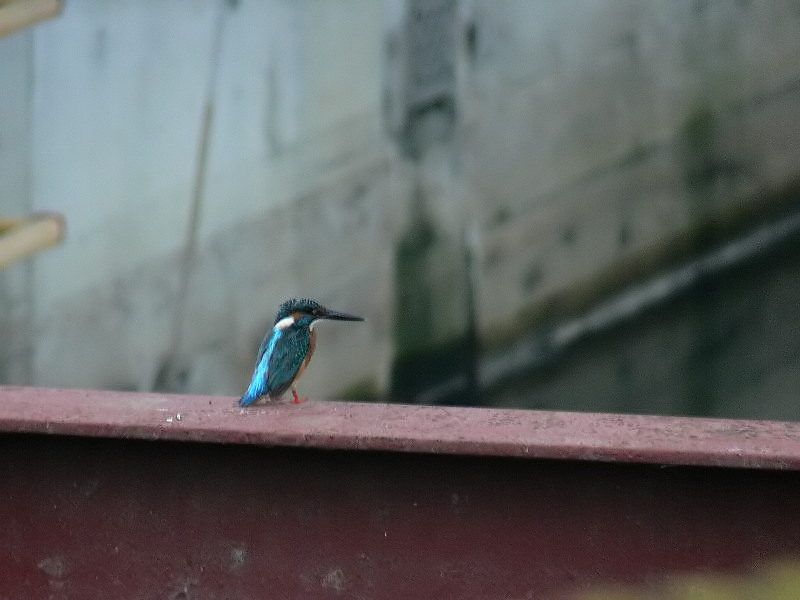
column 287, row 348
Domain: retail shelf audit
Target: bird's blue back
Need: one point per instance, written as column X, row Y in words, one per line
column 279, row 359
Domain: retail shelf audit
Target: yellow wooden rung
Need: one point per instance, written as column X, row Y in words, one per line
column 20, row 238
column 17, row 14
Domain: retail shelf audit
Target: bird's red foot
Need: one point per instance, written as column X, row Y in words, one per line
column 297, row 399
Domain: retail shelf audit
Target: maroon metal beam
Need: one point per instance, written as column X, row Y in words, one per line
column 393, row 427
column 115, row 495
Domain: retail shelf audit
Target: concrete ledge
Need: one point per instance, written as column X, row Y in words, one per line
column 404, row 428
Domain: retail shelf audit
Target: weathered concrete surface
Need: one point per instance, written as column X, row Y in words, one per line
column 727, row 346
column 640, row 122
column 565, row 140
column 16, row 285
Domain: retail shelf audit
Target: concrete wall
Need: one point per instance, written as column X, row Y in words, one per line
column 293, row 190
column 16, row 284
column 440, row 188
column 617, row 124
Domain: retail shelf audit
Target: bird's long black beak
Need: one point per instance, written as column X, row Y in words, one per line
column 339, row 316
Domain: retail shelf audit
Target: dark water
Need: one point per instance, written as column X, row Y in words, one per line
column 729, row 346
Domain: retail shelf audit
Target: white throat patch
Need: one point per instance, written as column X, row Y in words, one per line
column 284, row 323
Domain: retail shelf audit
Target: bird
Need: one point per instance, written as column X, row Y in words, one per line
column 287, row 348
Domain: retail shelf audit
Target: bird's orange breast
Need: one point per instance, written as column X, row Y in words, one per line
column 311, row 345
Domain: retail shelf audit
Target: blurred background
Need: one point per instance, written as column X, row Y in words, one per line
column 582, row 205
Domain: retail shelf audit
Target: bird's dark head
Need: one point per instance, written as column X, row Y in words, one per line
column 305, row 311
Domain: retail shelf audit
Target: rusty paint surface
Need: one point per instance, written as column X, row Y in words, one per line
column 354, row 426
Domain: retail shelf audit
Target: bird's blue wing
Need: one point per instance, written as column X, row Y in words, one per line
column 285, row 359
column 279, row 359
column 269, row 339
column 259, row 383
